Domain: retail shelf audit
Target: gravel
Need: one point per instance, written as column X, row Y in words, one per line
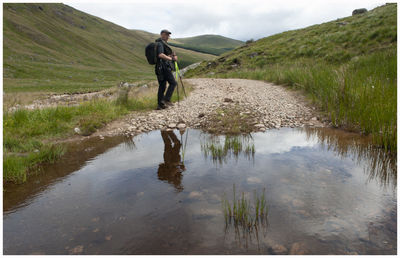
column 275, row 107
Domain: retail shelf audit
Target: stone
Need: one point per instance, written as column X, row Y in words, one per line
column 77, row 249
column 259, row 125
column 228, row 100
column 359, row 11
column 279, row 249
column 195, row 195
column 101, row 137
column 298, row 248
column 172, row 125
column 181, row 126
column 77, row 130
column 314, row 118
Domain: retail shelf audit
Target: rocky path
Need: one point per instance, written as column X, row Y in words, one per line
column 271, row 106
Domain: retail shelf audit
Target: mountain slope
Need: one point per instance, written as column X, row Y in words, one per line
column 54, row 47
column 212, row 44
column 348, row 67
column 333, row 42
column 209, row 44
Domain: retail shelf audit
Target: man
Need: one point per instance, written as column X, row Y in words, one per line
column 164, row 70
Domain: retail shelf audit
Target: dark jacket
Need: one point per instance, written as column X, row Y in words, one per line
column 163, row 65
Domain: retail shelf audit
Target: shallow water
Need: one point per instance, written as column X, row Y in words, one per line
column 327, row 191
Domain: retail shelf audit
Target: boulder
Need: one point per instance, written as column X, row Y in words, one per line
column 359, row 11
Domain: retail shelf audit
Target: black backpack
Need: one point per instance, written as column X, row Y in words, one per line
column 151, row 53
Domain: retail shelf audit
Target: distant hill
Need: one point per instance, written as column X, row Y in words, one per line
column 211, row 44
column 56, row 48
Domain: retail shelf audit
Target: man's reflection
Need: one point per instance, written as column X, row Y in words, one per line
column 172, row 168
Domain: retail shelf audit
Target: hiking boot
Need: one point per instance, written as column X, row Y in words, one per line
column 168, row 103
column 160, row 107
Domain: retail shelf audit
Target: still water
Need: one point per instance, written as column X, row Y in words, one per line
column 327, row 192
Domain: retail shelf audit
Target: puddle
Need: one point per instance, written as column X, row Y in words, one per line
column 327, row 192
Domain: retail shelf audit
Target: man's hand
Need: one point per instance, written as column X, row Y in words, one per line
column 168, row 58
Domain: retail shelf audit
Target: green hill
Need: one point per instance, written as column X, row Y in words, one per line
column 348, row 67
column 56, row 48
column 212, row 44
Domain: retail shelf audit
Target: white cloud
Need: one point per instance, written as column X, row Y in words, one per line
column 236, row 19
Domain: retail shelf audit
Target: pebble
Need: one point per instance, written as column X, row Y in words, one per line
column 271, row 106
column 279, row 249
column 298, row 248
column 77, row 249
column 181, row 126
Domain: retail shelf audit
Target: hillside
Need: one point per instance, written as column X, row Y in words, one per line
column 333, row 42
column 56, row 48
column 209, row 44
column 212, row 44
column 348, row 67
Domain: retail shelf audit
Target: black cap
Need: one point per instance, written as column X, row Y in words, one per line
column 165, row 31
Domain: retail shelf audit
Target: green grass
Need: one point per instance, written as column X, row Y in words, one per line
column 60, row 49
column 29, row 135
column 232, row 145
column 349, row 70
column 242, row 212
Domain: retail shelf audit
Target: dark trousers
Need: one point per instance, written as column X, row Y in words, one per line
column 163, row 78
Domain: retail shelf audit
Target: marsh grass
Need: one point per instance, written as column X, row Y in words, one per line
column 379, row 165
column 359, row 96
column 233, row 145
column 244, row 212
column 247, row 217
column 29, row 135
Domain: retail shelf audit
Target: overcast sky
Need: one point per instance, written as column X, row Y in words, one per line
column 241, row 20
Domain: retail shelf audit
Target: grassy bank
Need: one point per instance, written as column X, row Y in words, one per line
column 360, row 95
column 50, row 47
column 29, row 134
column 348, row 67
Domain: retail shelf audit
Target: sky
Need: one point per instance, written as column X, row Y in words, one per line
column 243, row 20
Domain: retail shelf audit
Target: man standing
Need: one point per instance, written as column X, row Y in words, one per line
column 164, row 70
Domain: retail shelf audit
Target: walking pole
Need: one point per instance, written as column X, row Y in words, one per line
column 180, row 77
column 176, row 78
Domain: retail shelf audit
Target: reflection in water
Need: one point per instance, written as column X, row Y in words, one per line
column 106, row 198
column 232, row 145
column 247, row 218
column 380, row 165
column 172, row 168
